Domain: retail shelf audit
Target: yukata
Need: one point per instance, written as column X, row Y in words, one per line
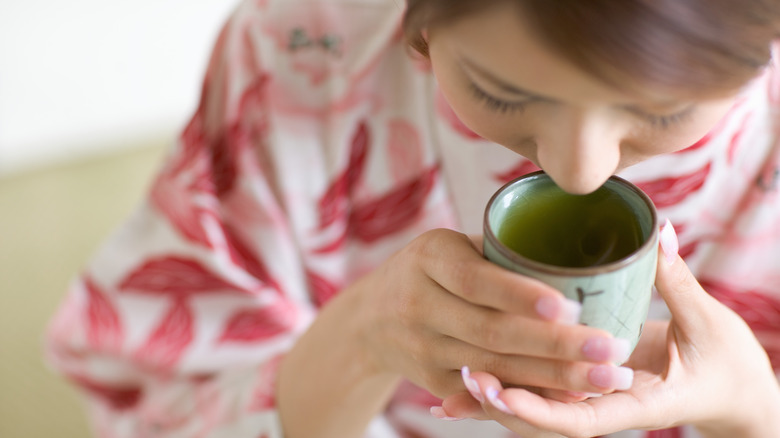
column 321, row 145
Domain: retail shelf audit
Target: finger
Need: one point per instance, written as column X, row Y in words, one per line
column 500, row 412
column 576, row 377
column 677, row 286
column 507, row 333
column 651, row 353
column 464, row 405
column 476, row 240
column 593, row 417
column 466, row 274
column 567, row 396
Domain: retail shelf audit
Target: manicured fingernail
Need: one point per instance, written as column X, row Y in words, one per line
column 571, row 312
column 471, row 384
column 547, row 307
column 607, row 349
column 551, row 308
column 607, row 376
column 438, row 412
column 492, row 396
column 669, row 244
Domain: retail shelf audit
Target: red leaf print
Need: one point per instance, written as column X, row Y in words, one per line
column 735, row 139
column 335, row 202
column 321, row 289
column 264, row 394
column 686, row 250
column 666, row 433
column 255, row 94
column 444, row 110
column 334, row 245
column 243, row 256
column 225, row 152
column 174, row 199
column 715, row 130
column 175, row 276
column 116, row 397
column 191, row 141
column 523, row 167
column 405, row 149
column 257, row 324
column 761, row 311
column 670, row 191
column 167, row 342
column 394, row 211
column 104, row 330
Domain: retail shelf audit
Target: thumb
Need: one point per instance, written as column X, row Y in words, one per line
column 676, row 284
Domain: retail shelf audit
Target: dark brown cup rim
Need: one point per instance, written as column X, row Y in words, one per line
column 545, row 268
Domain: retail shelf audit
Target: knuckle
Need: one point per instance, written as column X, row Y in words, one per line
column 566, row 374
column 464, row 275
column 491, row 334
column 558, row 344
column 492, row 363
column 435, row 239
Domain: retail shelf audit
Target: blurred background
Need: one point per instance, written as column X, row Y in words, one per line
column 92, row 93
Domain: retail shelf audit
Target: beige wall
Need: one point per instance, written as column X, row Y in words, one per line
column 51, row 220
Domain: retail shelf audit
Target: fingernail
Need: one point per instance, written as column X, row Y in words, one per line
column 571, row 312
column 471, row 384
column 438, row 412
column 492, row 396
column 607, row 376
column 669, row 244
column 547, row 307
column 566, row 311
column 607, row 349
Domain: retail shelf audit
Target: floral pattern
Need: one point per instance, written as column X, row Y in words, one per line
column 319, row 148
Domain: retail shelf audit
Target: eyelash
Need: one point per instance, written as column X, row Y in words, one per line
column 664, row 122
column 503, row 107
column 494, row 104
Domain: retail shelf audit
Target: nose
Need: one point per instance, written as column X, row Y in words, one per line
column 579, row 149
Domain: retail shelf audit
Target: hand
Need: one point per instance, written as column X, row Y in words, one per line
column 431, row 308
column 438, row 305
column 704, row 368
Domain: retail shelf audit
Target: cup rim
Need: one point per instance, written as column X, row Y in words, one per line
column 545, row 268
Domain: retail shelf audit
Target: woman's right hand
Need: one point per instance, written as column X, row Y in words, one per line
column 438, row 305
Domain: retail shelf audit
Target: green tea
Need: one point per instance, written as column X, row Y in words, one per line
column 556, row 228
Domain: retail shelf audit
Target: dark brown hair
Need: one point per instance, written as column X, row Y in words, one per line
column 693, row 46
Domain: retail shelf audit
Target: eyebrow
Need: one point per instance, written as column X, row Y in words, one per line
column 500, row 83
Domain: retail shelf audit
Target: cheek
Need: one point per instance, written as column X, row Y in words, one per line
column 659, row 141
column 502, row 128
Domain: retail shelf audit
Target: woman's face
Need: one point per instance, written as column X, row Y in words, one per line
column 506, row 86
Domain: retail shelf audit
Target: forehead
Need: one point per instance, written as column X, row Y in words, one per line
column 499, row 40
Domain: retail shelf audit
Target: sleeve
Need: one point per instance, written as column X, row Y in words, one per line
column 177, row 325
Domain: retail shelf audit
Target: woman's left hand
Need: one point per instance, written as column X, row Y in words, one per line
column 704, row 367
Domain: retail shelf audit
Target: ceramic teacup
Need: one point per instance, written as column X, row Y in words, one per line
column 599, row 249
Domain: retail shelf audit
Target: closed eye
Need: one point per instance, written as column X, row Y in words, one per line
column 495, row 104
column 666, row 121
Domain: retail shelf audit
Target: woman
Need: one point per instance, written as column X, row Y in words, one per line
column 299, row 269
